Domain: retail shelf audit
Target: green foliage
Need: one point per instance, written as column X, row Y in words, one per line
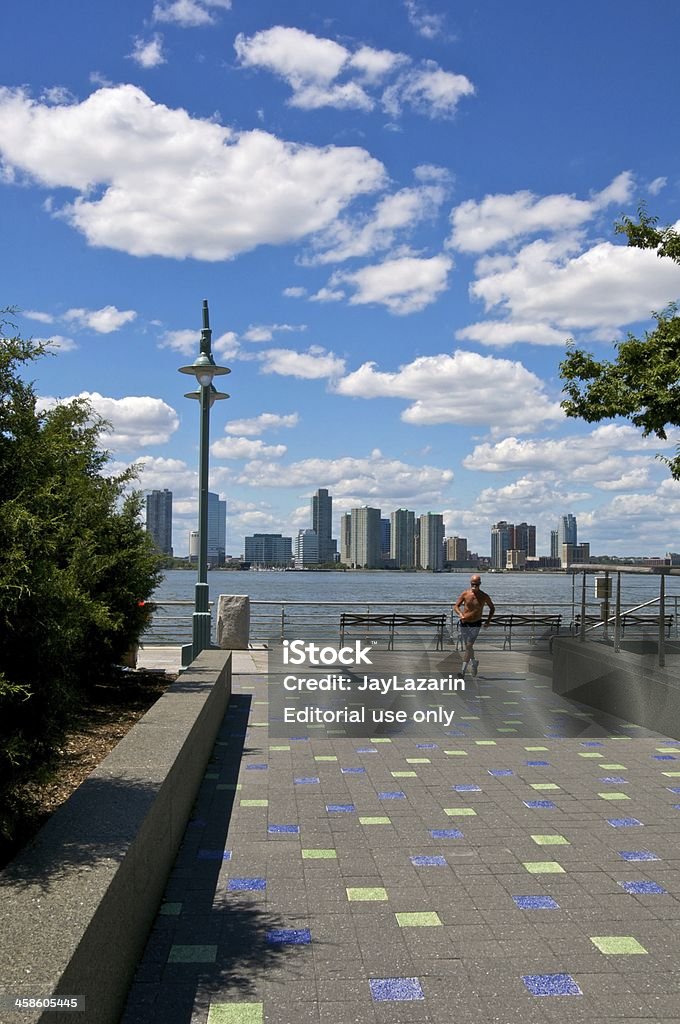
column 643, row 383
column 74, row 564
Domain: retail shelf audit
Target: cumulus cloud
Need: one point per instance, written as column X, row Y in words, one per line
column 265, row 332
column 499, row 333
column 259, row 424
column 34, row 314
column 375, row 478
column 245, row 448
column 187, row 340
column 404, row 285
column 188, row 13
column 480, row 226
column 323, row 73
column 103, row 321
column 314, row 364
column 603, row 287
column 156, row 181
column 173, row 474
column 295, row 292
column 148, row 53
column 58, row 343
column 464, row 388
column 427, row 25
column 136, row 421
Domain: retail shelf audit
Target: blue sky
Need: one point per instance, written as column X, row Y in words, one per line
column 399, row 213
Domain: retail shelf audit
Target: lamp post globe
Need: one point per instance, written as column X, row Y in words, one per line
column 204, row 369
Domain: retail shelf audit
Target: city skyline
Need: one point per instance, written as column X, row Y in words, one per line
column 399, row 224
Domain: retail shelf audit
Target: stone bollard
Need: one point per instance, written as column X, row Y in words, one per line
column 233, row 622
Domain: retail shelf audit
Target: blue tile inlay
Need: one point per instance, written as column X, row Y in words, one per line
column 256, row 767
column 383, row 989
column 623, row 822
column 540, row 803
column 551, row 985
column 340, row 808
column 446, row 833
column 637, row 855
column 284, row 828
column 289, row 937
column 673, row 789
column 309, row 780
column 591, row 743
column 367, row 750
column 467, row 789
column 429, row 862
column 391, row 796
column 536, row 903
column 426, row 746
column 500, row 771
column 353, row 771
column 214, row 854
column 537, row 764
column 664, row 757
column 246, row 884
column 642, row 888
column 614, row 780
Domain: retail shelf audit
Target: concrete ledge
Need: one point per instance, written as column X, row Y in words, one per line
column 628, row 684
column 78, row 902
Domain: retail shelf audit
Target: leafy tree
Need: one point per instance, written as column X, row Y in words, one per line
column 643, row 383
column 75, row 563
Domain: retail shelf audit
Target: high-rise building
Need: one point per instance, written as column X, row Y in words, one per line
column 322, row 524
column 456, row 550
column 554, row 544
column 523, row 538
column 159, row 519
column 346, row 538
column 306, row 549
column 385, row 533
column 432, row 541
column 574, row 553
column 567, row 530
column 269, row 549
column 402, row 538
column 217, row 529
column 365, row 539
column 500, row 543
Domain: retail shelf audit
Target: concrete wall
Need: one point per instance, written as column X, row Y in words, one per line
column 628, row 684
column 78, row 902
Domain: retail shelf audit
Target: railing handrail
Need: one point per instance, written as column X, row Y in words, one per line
column 612, row 618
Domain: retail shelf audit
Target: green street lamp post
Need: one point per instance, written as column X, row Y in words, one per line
column 204, row 369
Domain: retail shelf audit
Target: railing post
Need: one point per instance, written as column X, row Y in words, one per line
column 605, row 606
column 662, row 617
column 617, row 619
column 283, row 621
column 582, row 635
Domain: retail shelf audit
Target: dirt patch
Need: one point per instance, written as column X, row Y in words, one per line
column 100, row 725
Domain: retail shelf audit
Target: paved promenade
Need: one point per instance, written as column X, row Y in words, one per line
column 522, row 867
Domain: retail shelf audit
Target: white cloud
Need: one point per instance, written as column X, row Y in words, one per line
column 604, row 287
column 265, row 332
column 427, row 25
column 173, row 185
column 185, row 341
column 103, row 321
column 657, row 186
column 499, row 333
column 394, row 213
column 136, row 421
column 464, row 388
column 259, row 424
column 245, row 448
column 188, row 13
column 314, row 364
column 43, row 318
column 404, row 285
column 327, row 295
column 427, row 90
column 148, row 53
column 480, row 226
column 226, row 345
column 312, row 67
column 295, row 292
column 58, row 343
column 374, row 479
column 173, row 474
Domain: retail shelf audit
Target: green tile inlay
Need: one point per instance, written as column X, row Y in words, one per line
column 543, row 867
column 504, row 728
column 617, row 944
column 469, row 718
column 170, row 909
column 667, row 750
column 671, row 775
column 486, row 743
column 374, row 893
column 589, row 753
column 462, row 812
column 319, row 855
column 211, row 775
column 375, row 821
column 536, row 748
column 418, row 760
column 192, row 955
column 404, row 775
column 552, row 840
column 236, row 1013
column 254, row 803
column 279, row 748
column 614, row 767
column 380, row 739
column 456, row 753
column 613, row 796
column 325, row 757
column 544, row 785
column 424, row 919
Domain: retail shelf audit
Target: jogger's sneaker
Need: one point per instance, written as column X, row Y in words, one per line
column 463, row 669
column 473, row 667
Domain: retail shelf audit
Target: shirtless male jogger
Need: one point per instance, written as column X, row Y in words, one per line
column 469, row 608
